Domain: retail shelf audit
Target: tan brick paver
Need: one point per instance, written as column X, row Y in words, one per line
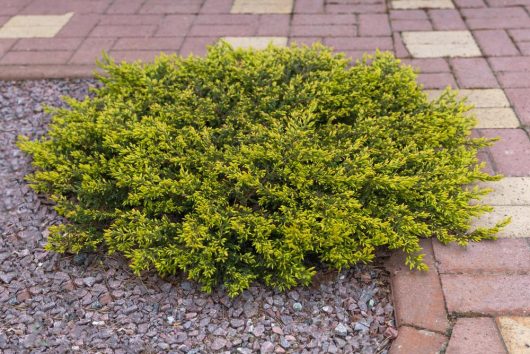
column 519, row 226
column 492, row 108
column 34, row 26
column 255, row 42
column 510, row 197
column 262, row 6
column 508, row 191
column 422, row 4
column 436, row 44
column 496, row 118
column 516, row 333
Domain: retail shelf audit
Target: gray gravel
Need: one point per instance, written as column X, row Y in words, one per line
column 92, row 302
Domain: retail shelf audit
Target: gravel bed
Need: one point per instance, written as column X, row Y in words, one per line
column 92, row 303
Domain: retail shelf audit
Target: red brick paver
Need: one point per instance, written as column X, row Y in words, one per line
column 487, row 294
column 511, row 154
column 520, row 100
column 417, row 341
column 473, row 73
column 475, row 336
column 495, row 43
column 504, row 255
column 418, row 296
column 433, row 309
column 484, row 279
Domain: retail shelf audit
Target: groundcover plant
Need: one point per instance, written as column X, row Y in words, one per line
column 248, row 165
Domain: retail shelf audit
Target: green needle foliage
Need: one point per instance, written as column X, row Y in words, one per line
column 253, row 165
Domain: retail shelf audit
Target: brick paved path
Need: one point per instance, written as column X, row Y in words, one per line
column 472, row 301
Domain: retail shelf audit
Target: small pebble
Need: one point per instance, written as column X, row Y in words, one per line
column 218, row 343
column 391, row 332
column 89, row 281
column 79, row 259
column 341, row 330
column 267, row 347
column 7, row 277
column 297, row 306
column 284, row 342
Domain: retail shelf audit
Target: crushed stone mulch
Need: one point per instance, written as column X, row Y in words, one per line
column 93, row 303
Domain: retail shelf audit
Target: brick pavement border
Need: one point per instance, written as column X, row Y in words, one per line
column 447, row 308
column 37, row 72
column 425, row 325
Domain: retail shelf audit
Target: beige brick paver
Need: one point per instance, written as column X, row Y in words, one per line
column 34, row 26
column 508, row 191
column 422, row 4
column 435, row 44
column 255, row 42
column 516, row 333
column 510, row 197
column 262, row 6
column 486, row 98
column 519, row 226
column 495, row 118
column 492, row 108
column 480, row 98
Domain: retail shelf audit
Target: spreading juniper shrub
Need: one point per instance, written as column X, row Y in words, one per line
column 248, row 165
